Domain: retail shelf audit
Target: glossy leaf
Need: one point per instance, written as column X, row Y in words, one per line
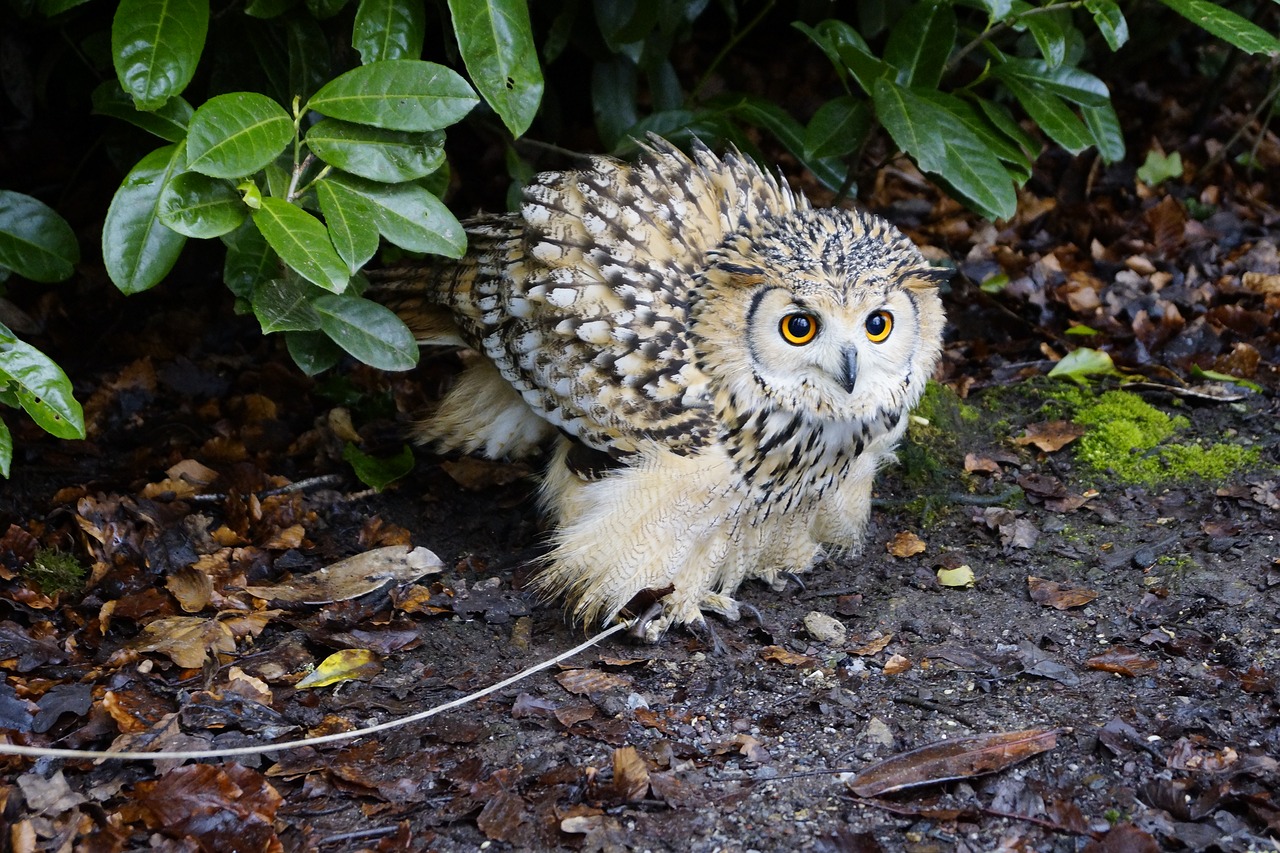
column 832, row 36
column 409, row 216
column 313, row 352
column 6, row 449
column 35, row 242
column 250, row 260
column 302, row 242
column 379, row 472
column 352, row 223
column 496, row 41
column 838, row 128
column 401, row 94
column 369, row 331
column 1074, row 85
column 1104, row 127
column 1110, row 21
column 43, row 390
column 236, row 134
column 137, row 248
column 995, row 141
column 389, row 29
column 1050, row 33
column 285, row 305
column 156, row 45
column 920, row 43
column 1226, row 25
column 934, row 128
column 1052, row 114
column 791, row 134
column 196, row 205
column 168, row 122
column 390, row 156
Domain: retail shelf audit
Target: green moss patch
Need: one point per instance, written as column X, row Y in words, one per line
column 1132, row 441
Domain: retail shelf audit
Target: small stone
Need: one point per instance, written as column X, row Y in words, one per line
column 878, row 732
column 824, row 628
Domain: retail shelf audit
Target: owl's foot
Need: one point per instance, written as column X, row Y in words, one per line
column 670, row 611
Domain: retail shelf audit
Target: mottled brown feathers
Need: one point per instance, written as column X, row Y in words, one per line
column 637, row 311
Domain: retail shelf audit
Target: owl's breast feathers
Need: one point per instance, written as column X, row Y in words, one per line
column 582, row 299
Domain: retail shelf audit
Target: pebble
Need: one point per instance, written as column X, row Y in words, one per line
column 824, row 628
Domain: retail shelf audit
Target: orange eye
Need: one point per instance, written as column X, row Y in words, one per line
column 799, row 328
column 879, row 325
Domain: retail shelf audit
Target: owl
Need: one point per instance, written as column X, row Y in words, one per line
column 715, row 368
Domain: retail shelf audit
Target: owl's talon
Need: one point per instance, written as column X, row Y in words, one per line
column 640, row 628
column 792, row 576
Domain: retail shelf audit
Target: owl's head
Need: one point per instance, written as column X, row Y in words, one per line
column 829, row 312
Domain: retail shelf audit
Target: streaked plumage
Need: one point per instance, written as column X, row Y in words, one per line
column 699, row 327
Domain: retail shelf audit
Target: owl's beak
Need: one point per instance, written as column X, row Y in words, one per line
column 849, row 370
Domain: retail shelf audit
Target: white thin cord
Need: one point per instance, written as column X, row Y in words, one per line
column 127, row 755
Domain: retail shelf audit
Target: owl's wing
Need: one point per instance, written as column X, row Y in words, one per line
column 589, row 321
column 582, row 301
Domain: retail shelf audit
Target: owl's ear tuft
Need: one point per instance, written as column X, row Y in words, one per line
column 924, row 278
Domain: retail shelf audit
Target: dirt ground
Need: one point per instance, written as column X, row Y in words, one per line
column 1157, row 680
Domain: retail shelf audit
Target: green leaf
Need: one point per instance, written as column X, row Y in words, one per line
column 6, row 450
column 1081, row 331
column 1198, row 372
column 496, row 41
column 952, row 149
column 156, row 45
column 838, row 128
column 250, row 260
column 909, row 125
column 390, row 156
column 1110, row 22
column 236, row 134
column 352, row 223
column 994, row 138
column 1158, row 168
column 43, row 390
column 1052, row 114
column 168, row 122
column 1104, row 127
column 1050, row 33
column 196, row 205
column 1226, row 25
column 35, row 242
column 920, row 43
column 137, row 249
column 285, row 305
column 309, row 61
column 400, row 94
column 377, row 473
column 1077, row 86
column 613, row 99
column 791, row 134
column 302, row 242
column 1083, row 362
column 313, row 352
column 325, row 9
column 831, row 36
column 409, row 216
column 389, row 29
column 369, row 331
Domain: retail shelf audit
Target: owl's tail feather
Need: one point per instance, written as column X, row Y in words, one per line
column 483, row 414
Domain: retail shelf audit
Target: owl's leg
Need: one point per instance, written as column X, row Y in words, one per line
column 483, row 414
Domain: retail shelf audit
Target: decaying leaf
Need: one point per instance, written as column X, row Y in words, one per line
column 1050, row 435
column 1056, row 595
column 948, row 760
column 778, row 654
column 1122, row 661
column 630, row 775
column 346, row 665
column 585, row 681
column 896, row 664
column 354, row 576
column 192, row 587
column 874, row 647
column 186, row 640
column 905, row 544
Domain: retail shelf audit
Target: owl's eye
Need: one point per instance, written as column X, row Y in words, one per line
column 799, row 328
column 879, row 325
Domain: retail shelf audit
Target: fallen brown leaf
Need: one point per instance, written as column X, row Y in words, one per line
column 1122, row 661
column 948, row 760
column 905, row 544
column 354, row 576
column 1050, row 435
column 777, row 654
column 585, row 681
column 1058, row 596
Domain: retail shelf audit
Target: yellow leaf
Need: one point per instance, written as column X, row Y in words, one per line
column 346, row 665
column 959, row 576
